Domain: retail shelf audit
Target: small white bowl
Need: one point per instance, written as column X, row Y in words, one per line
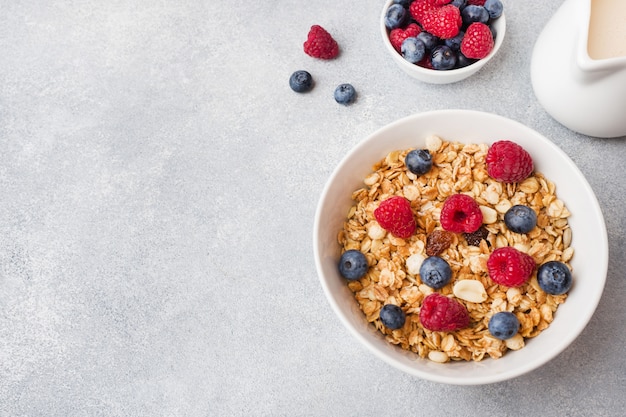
column 590, row 261
column 438, row 76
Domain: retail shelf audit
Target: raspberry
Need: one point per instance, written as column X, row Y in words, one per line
column 419, row 8
column 442, row 2
column 510, row 267
column 443, row 22
column 476, row 2
column 461, row 214
column 508, row 162
column 443, row 314
column 320, row 44
column 398, row 35
column 395, row 216
column 478, row 41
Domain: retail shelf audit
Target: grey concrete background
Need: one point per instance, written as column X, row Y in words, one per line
column 158, row 183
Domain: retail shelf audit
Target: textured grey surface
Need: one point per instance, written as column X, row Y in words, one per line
column 159, row 181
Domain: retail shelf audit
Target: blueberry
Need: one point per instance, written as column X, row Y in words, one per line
column 473, row 13
column 520, row 219
column 395, row 16
column 430, row 40
column 413, row 50
column 503, row 325
column 345, row 94
column 392, row 316
column 419, row 161
column 463, row 61
column 353, row 264
column 435, row 272
column 554, row 277
column 455, row 43
column 460, row 4
column 443, row 58
column 494, row 8
column 403, row 3
column 301, row 81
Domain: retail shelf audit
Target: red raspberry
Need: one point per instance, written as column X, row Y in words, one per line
column 508, row 162
column 442, row 2
column 398, row 35
column 419, row 8
column 476, row 2
column 478, row 41
column 443, row 22
column 443, row 314
column 395, row 216
column 320, row 44
column 461, row 214
column 510, row 267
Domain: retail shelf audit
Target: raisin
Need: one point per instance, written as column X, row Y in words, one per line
column 474, row 238
column 438, row 241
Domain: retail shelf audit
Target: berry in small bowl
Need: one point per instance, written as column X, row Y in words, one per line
column 442, row 41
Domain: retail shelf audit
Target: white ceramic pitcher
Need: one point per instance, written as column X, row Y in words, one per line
column 584, row 94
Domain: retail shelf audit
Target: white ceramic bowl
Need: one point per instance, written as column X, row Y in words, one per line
column 590, row 243
column 436, row 76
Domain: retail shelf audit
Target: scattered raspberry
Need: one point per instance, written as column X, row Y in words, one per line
column 395, row 216
column 443, row 22
column 441, row 2
column 320, row 44
column 419, row 8
column 508, row 162
column 398, row 35
column 443, row 314
column 438, row 241
column 478, row 41
column 476, row 237
column 510, row 267
column 461, row 214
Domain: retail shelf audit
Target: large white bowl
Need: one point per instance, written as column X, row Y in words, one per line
column 590, row 242
column 437, row 76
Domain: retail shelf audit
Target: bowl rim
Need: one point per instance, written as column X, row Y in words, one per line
column 447, row 76
column 573, row 331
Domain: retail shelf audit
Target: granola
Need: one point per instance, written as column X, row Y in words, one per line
column 393, row 275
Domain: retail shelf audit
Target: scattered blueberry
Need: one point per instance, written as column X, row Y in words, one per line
column 392, row 316
column 459, row 3
column 403, row 3
column 443, row 58
column 473, row 13
column 435, row 272
column 494, row 8
column 301, row 81
column 345, row 94
column 413, row 50
column 419, row 161
column 395, row 16
column 554, row 277
column 353, row 264
column 430, row 40
column 463, row 61
column 455, row 43
column 520, row 219
column 503, row 325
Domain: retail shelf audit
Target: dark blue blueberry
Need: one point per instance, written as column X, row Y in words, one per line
column 443, row 58
column 520, row 219
column 463, row 61
column 494, row 8
column 413, row 50
column 403, row 3
column 455, row 43
column 392, row 316
column 435, row 272
column 554, row 277
column 460, row 4
column 503, row 325
column 301, row 81
column 396, row 16
column 353, row 264
column 418, row 161
column 345, row 94
column 430, row 40
column 474, row 13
